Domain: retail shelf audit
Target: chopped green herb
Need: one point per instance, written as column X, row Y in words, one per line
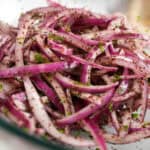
column 125, row 127
column 101, row 47
column 68, row 113
column 67, row 28
column 55, row 37
column 5, row 111
column 76, row 133
column 25, row 129
column 97, row 149
column 146, row 124
column 1, row 87
column 88, row 83
column 116, row 77
column 61, row 130
column 120, row 90
column 110, row 107
column 20, row 40
column 49, row 77
column 138, row 18
column 135, row 115
column 63, row 100
column 39, row 58
column 79, row 83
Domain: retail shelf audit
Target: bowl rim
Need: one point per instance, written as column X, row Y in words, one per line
column 32, row 138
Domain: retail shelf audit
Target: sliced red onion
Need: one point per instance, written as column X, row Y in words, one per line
column 115, row 121
column 45, row 121
column 49, row 53
column 20, row 100
column 112, row 50
column 143, row 101
column 138, row 67
column 17, row 113
column 75, row 40
column 86, row 111
column 61, row 94
column 96, row 133
column 126, row 119
column 21, row 96
column 123, row 87
column 124, row 97
column 93, row 21
column 52, row 22
column 113, row 114
column 33, row 69
column 64, row 52
column 106, row 36
column 53, row 113
column 71, row 40
column 68, row 83
column 86, row 71
column 48, row 91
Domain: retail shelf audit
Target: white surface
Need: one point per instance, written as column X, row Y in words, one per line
column 11, row 142
column 10, row 11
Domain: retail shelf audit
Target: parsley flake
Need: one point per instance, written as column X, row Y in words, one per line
column 1, row 87
column 5, row 111
column 146, row 124
column 135, row 115
column 61, row 130
column 20, row 40
column 76, row 133
column 39, row 58
column 55, row 37
column 63, row 100
column 68, row 113
column 101, row 47
column 110, row 107
column 116, row 77
column 126, row 127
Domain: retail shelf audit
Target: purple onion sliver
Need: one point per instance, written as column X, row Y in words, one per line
column 33, row 69
column 86, row 111
column 48, row 91
column 68, row 83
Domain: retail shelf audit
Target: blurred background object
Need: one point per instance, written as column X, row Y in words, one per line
column 140, row 9
column 139, row 13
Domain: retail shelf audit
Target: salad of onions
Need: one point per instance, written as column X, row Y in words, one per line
column 66, row 70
